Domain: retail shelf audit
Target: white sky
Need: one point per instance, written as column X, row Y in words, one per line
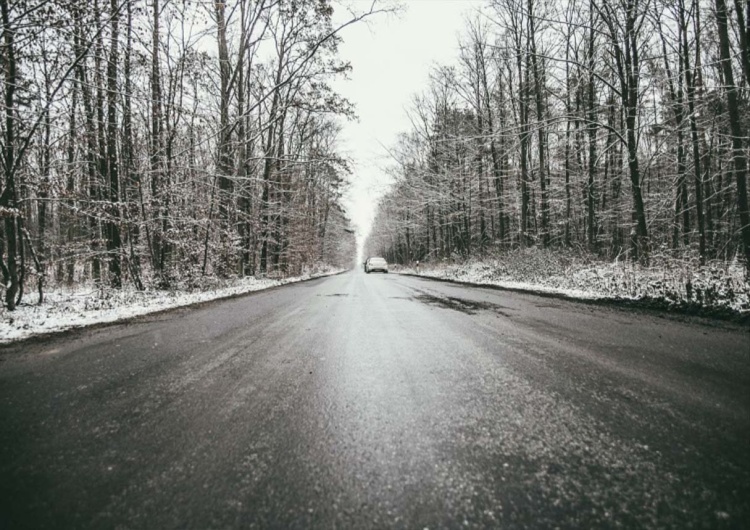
column 391, row 59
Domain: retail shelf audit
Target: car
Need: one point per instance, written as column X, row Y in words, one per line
column 376, row 264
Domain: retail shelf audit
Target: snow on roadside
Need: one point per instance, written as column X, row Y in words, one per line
column 670, row 284
column 470, row 274
column 86, row 305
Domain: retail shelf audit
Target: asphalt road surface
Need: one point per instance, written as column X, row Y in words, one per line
column 380, row 401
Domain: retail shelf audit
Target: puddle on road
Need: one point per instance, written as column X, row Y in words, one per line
column 469, row 307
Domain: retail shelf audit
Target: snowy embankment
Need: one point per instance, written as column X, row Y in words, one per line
column 718, row 289
column 68, row 308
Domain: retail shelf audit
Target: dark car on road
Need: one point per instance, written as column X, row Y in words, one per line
column 376, row 264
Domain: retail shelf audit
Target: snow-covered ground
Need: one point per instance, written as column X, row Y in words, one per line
column 718, row 287
column 67, row 308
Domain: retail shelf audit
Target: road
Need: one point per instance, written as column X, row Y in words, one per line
column 380, row 401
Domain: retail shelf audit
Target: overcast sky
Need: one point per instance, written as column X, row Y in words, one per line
column 391, row 58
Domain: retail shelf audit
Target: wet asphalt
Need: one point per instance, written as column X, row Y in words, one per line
column 380, row 401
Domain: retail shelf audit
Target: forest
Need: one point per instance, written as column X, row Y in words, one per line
column 614, row 129
column 153, row 143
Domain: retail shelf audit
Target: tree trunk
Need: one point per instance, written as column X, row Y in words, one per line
column 524, row 139
column 8, row 199
column 734, row 110
column 156, row 155
column 132, row 181
column 224, row 165
column 592, row 133
column 690, row 76
column 114, row 242
column 539, row 100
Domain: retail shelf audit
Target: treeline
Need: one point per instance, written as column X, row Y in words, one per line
column 157, row 141
column 618, row 127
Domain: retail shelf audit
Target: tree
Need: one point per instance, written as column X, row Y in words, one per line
column 133, row 152
column 734, row 111
column 585, row 96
